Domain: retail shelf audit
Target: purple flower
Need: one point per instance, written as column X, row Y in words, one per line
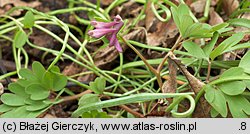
column 108, row 29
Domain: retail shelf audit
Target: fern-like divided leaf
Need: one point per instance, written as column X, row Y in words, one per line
column 29, row 95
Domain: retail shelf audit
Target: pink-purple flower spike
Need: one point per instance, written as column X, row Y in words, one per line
column 108, row 29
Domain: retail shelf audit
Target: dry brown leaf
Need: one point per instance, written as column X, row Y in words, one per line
column 106, row 2
column 198, row 6
column 150, row 17
column 5, row 5
column 214, row 17
column 230, row 5
column 1, row 89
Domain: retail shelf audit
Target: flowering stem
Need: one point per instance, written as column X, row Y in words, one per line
column 139, row 54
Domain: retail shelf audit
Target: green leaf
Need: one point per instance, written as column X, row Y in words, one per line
column 29, row 20
column 38, row 105
column 239, row 46
column 198, row 30
column 219, row 103
column 239, row 106
column 38, row 69
column 55, row 82
column 17, row 89
column 240, row 22
column 194, row 50
column 234, row 71
column 214, row 113
column 5, row 108
column 88, row 99
column 232, row 87
column 98, row 85
column 142, row 97
column 229, row 42
column 12, row 99
column 37, row 92
column 210, row 93
column 244, row 63
column 95, row 114
column 20, row 39
column 219, row 27
column 210, row 46
column 23, row 82
column 28, row 74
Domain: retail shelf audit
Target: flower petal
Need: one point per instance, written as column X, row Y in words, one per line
column 119, row 23
column 99, row 25
column 112, row 39
column 97, row 33
column 118, row 46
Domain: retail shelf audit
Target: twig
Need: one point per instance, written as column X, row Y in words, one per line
column 208, row 71
column 131, row 111
column 74, row 97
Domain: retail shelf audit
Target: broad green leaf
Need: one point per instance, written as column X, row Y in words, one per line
column 240, row 22
column 247, row 82
column 219, row 27
column 239, row 46
column 95, row 114
column 210, row 46
column 194, row 50
column 232, row 87
column 28, row 20
column 55, row 69
column 210, row 93
column 17, row 89
column 219, row 103
column 234, row 71
column 53, row 81
column 98, row 85
column 12, row 99
column 38, row 69
column 8, row 114
column 5, row 108
column 239, row 106
column 229, row 42
column 214, row 113
column 88, row 99
column 23, row 82
column 38, row 105
column 37, row 92
column 200, row 30
column 184, row 26
column 20, row 112
column 244, row 63
column 28, row 74
column 20, row 39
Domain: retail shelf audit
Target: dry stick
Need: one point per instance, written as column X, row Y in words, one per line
column 74, row 97
column 131, row 111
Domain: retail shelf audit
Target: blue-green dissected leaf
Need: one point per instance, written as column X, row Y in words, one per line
column 88, row 99
column 240, row 22
column 214, row 113
column 239, row 106
column 194, row 50
column 20, row 39
column 226, row 44
column 219, row 103
column 38, row 69
column 12, row 99
column 54, row 81
column 28, row 20
column 17, row 89
column 28, row 74
column 38, row 105
column 5, row 108
column 244, row 63
column 232, row 87
column 37, row 92
column 98, row 85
